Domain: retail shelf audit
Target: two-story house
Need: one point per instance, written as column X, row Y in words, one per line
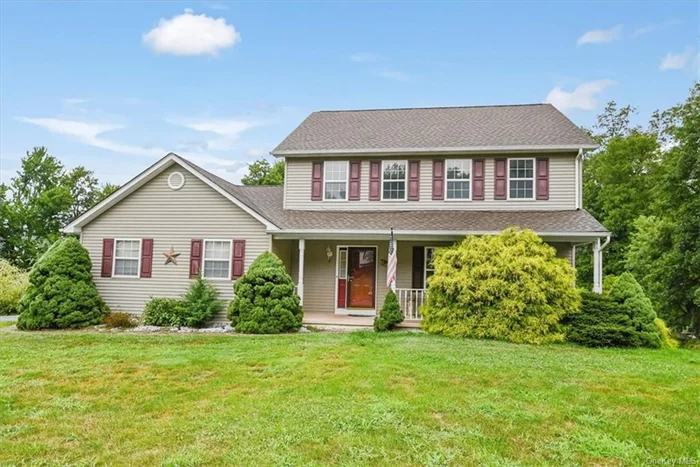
column 431, row 175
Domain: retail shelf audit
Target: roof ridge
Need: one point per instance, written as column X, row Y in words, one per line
column 439, row 107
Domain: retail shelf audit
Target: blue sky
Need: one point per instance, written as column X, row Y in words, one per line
column 114, row 86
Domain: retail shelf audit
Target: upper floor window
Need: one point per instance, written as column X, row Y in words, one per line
column 127, row 254
column 217, row 259
column 521, row 178
column 394, row 180
column 458, row 179
column 335, row 180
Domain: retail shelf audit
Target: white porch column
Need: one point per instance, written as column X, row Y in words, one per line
column 597, row 267
column 300, row 281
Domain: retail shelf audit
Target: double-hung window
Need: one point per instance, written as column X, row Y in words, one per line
column 394, row 180
column 335, row 181
column 217, row 259
column 458, row 179
column 127, row 254
column 521, row 179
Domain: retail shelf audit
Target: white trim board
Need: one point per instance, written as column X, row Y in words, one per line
column 146, row 176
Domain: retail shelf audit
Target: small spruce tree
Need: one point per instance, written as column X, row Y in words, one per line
column 390, row 315
column 264, row 299
column 61, row 291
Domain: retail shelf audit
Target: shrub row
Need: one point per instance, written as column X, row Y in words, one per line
column 198, row 306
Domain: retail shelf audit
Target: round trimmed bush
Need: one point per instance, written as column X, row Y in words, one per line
column 161, row 311
column 264, row 299
column 61, row 291
column 510, row 286
column 390, row 315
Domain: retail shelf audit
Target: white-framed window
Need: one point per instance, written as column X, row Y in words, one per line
column 458, row 174
column 216, row 263
column 127, row 257
column 394, row 180
column 521, row 178
column 428, row 266
column 335, row 180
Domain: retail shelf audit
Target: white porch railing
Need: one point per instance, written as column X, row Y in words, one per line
column 410, row 301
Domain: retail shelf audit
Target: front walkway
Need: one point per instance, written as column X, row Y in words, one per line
column 8, row 318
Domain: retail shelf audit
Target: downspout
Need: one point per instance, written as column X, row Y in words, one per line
column 578, row 176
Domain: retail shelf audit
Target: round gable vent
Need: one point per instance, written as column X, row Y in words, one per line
column 176, row 180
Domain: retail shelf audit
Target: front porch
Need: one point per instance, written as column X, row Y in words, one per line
column 343, row 281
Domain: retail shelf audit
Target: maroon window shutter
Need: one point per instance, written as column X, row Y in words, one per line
column 107, row 256
column 375, row 180
column 413, row 180
column 146, row 257
column 499, row 182
column 238, row 259
column 354, row 191
column 438, row 179
column 543, row 178
column 195, row 258
column 317, row 181
column 478, row 177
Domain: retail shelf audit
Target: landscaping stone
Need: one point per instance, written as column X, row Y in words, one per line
column 147, row 329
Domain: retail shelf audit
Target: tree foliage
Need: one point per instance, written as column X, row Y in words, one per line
column 41, row 199
column 261, row 172
column 509, row 286
column 264, row 299
column 61, row 291
column 644, row 186
column 390, row 315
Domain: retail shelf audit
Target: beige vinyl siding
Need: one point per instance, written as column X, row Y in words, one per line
column 561, row 187
column 564, row 250
column 170, row 218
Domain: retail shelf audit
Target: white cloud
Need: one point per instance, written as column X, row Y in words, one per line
column 654, row 27
column 256, row 152
column 394, row 75
column 190, row 34
column 90, row 134
column 598, row 36
column 584, row 97
column 676, row 61
column 362, row 57
column 229, row 128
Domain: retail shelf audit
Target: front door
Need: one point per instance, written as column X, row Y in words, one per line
column 362, row 271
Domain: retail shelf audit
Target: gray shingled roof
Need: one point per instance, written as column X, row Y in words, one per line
column 268, row 202
column 487, row 128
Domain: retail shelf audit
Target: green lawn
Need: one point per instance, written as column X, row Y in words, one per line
column 349, row 399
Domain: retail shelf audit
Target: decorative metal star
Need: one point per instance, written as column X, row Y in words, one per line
column 171, row 256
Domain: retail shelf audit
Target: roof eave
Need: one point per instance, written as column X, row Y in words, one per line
column 435, row 150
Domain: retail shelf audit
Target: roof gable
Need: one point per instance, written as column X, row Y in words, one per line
column 147, row 175
column 441, row 129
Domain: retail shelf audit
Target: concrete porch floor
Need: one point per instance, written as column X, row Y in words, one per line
column 344, row 320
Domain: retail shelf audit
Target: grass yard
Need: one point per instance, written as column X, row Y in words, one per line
column 349, row 399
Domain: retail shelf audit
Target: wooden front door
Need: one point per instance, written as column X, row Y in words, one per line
column 362, row 271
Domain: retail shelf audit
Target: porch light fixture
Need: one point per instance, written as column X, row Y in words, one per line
column 329, row 253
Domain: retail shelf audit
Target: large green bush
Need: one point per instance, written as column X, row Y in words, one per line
column 390, row 315
column 264, row 299
column 13, row 284
column 622, row 316
column 509, row 286
column 61, row 291
column 198, row 306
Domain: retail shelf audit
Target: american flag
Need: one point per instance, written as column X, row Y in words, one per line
column 391, row 263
